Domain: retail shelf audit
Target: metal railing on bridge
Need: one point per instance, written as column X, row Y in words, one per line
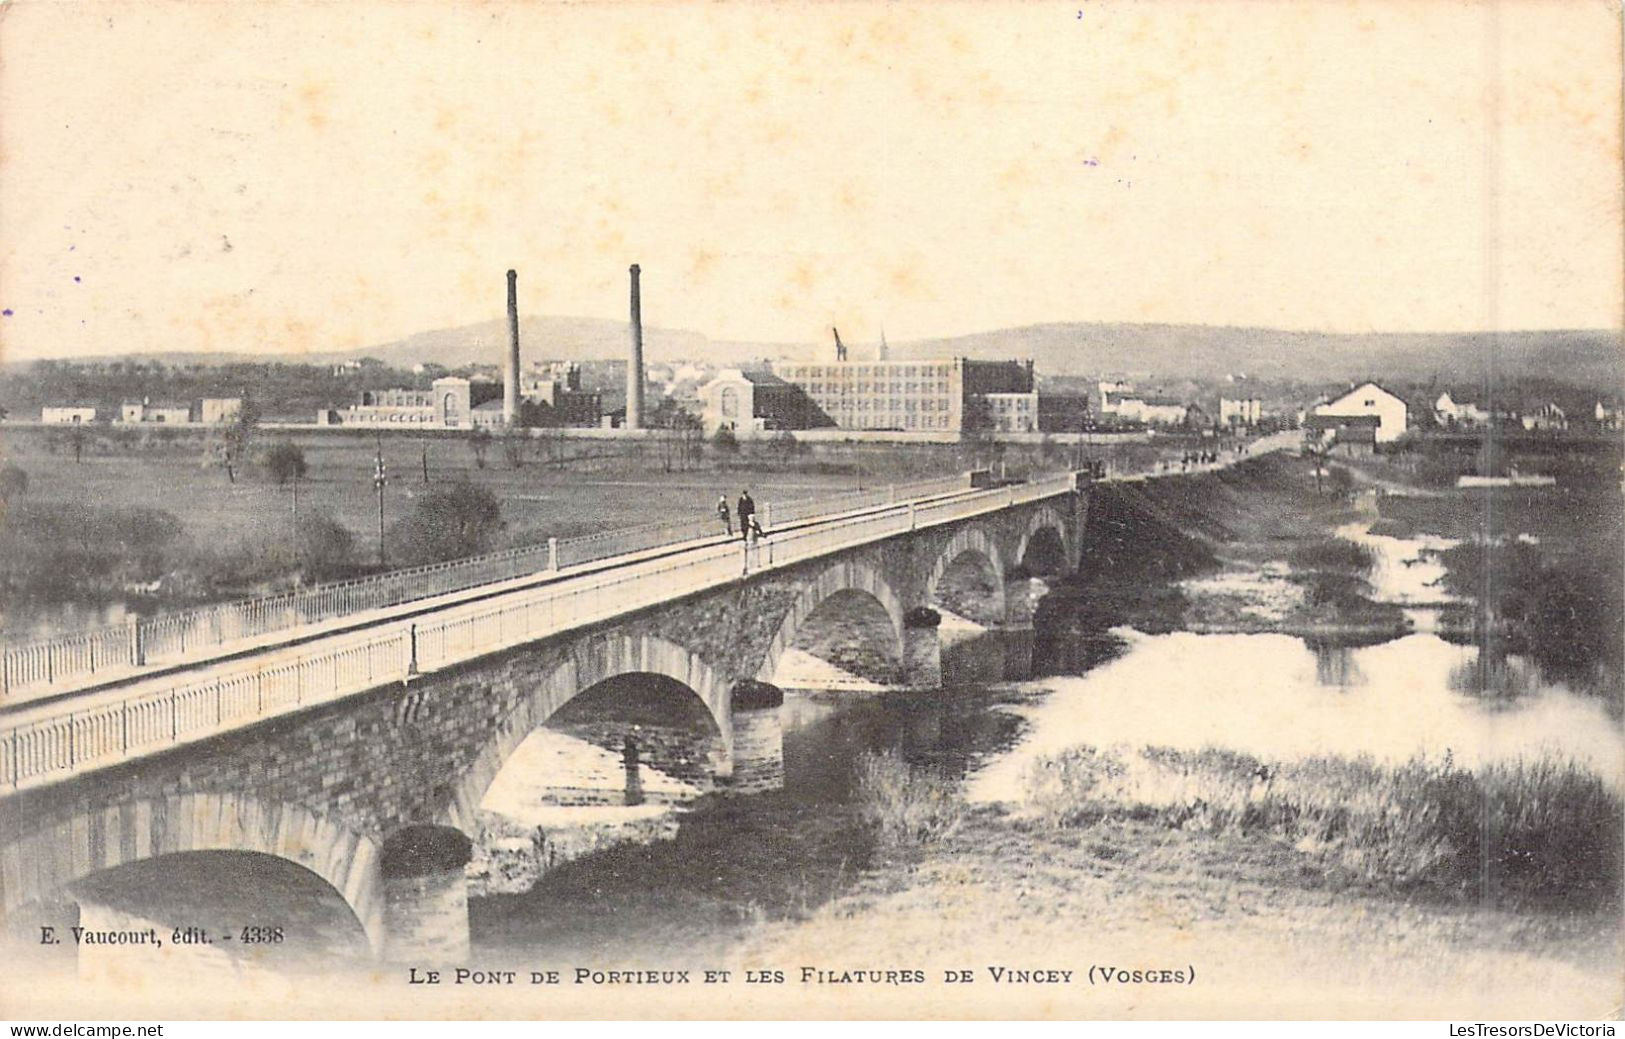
column 108, row 653
column 59, row 738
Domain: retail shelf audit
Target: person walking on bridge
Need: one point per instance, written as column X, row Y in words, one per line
column 725, row 514
column 746, row 509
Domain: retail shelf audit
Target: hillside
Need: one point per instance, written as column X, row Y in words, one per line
column 1593, row 358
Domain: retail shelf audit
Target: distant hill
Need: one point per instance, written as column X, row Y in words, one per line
column 1154, row 351
column 1585, row 357
column 1595, row 358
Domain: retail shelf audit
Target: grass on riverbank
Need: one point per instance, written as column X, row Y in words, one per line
column 906, row 806
column 1545, row 830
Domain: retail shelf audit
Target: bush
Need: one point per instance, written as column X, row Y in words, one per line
column 785, row 446
column 284, row 461
column 449, row 523
column 1545, row 829
column 57, row 549
column 725, row 441
column 906, row 806
column 324, row 547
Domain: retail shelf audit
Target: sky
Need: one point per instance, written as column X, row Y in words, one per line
column 308, row 177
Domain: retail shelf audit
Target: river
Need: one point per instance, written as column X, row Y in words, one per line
column 1275, row 697
column 736, row 863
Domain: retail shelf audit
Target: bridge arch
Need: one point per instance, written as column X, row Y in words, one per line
column 973, row 540
column 591, row 662
column 848, row 575
column 41, row 865
column 1047, row 517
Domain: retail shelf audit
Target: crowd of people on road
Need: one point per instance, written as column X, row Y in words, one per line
column 1196, row 459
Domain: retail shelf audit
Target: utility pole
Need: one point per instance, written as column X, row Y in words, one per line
column 380, row 477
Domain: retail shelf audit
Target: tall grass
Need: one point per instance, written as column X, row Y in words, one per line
column 1543, row 829
column 1495, row 679
column 906, row 806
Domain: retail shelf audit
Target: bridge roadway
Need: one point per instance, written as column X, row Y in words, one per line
column 66, row 734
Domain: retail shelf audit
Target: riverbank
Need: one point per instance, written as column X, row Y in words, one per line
column 1264, row 932
column 1536, row 571
column 1251, row 549
column 1237, row 790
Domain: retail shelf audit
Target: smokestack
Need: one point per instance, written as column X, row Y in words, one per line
column 510, row 371
column 634, row 361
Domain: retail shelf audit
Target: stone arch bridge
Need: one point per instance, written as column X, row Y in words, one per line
column 362, row 756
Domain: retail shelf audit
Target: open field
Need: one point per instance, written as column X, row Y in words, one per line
column 143, row 509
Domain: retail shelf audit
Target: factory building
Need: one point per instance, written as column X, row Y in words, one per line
column 924, row 395
column 1012, row 412
column 449, row 403
column 556, row 387
column 756, row 401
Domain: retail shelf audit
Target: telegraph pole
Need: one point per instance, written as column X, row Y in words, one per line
column 380, row 477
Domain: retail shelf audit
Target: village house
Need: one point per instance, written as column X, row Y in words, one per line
column 1120, row 399
column 134, row 412
column 1458, row 413
column 214, row 410
column 68, row 414
column 1366, row 401
column 1546, row 417
column 1248, row 411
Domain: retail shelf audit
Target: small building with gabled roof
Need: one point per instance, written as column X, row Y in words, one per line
column 1370, row 400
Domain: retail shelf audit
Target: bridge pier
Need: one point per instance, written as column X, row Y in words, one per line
column 1017, row 643
column 758, row 757
column 426, row 895
column 922, row 649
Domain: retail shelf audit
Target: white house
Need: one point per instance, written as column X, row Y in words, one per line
column 1246, row 411
column 1369, row 399
column 68, row 415
column 132, row 412
column 1121, row 399
column 1451, row 412
column 215, row 410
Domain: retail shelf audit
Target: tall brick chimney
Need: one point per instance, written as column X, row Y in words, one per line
column 634, row 361
column 510, row 370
